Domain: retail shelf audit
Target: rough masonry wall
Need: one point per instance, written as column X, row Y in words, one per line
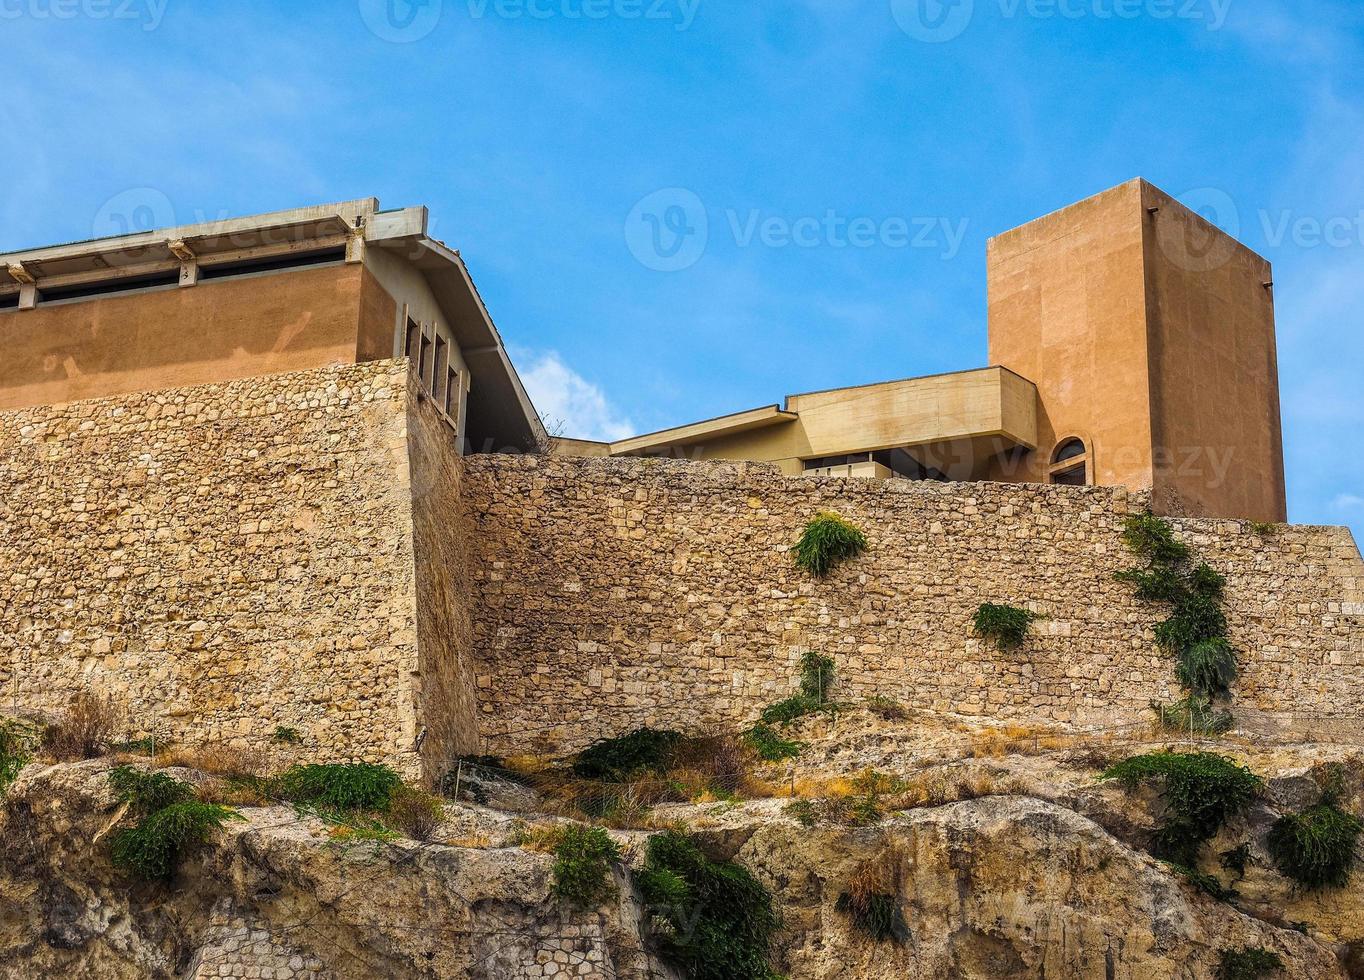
column 612, row 594
column 447, row 707
column 219, row 560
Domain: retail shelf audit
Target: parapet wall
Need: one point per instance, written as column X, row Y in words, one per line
column 224, row 560
column 611, row 594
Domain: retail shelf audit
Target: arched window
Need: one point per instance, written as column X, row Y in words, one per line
column 1070, row 464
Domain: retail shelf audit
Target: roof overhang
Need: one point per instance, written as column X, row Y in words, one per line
column 727, row 425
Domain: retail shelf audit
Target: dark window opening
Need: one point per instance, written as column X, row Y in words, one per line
column 439, row 372
column 277, row 263
column 423, row 360
column 414, row 330
column 898, row 461
column 109, row 286
column 9, row 302
column 452, row 381
column 1076, row 476
column 1070, row 449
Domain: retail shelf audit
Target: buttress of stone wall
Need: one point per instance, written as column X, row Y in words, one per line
column 612, row 594
column 445, row 694
column 221, row 561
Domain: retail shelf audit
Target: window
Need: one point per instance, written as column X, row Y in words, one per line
column 1070, row 464
column 414, row 331
column 439, row 372
column 424, row 359
column 452, row 379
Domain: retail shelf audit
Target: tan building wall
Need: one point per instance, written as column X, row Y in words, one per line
column 1149, row 335
column 226, row 559
column 616, row 593
column 216, row 331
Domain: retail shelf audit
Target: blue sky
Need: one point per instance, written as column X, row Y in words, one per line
column 534, row 128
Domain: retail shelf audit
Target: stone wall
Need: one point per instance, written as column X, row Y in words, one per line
column 220, row 560
column 446, row 703
column 611, row 594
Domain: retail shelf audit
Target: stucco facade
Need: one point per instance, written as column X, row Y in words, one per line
column 1150, row 336
column 1127, row 335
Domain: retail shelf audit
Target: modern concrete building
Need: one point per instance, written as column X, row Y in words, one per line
column 1132, row 344
column 290, row 291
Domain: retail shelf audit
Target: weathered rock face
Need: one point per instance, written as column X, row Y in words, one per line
column 999, row 887
column 1009, row 887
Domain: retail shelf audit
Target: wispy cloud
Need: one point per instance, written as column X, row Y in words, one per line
column 1348, row 501
column 566, row 399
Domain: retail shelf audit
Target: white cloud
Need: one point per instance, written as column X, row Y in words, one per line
column 1348, row 501
column 566, row 399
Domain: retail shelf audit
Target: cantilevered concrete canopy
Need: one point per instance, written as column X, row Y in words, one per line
column 955, row 425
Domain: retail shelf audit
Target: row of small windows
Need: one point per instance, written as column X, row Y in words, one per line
column 430, row 356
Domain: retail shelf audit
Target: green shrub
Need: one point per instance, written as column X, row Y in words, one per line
column 344, row 786
column 287, row 736
column 1200, row 791
column 621, row 759
column 803, row 812
column 1206, row 883
column 148, row 792
column 1208, row 667
column 1153, row 539
column 770, row 745
column 792, row 709
column 878, row 916
column 18, row 740
column 1007, row 626
column 1316, row 847
column 1263, row 529
column 816, row 677
column 1248, row 964
column 152, row 850
column 1193, row 715
column 1195, row 632
column 828, row 539
column 415, row 814
column 711, row 919
column 582, row 865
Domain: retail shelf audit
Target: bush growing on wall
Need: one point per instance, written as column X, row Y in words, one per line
column 1200, row 791
column 1316, row 847
column 18, row 739
column 828, row 539
column 582, row 865
column 1195, row 632
column 1007, row 626
column 173, row 823
column 711, row 919
column 1248, row 964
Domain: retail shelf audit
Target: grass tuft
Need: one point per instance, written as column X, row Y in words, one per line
column 1316, row 847
column 1006, row 626
column 711, row 919
column 828, row 540
column 1248, row 964
column 345, row 786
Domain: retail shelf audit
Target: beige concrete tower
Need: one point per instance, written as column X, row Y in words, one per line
column 1150, row 336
